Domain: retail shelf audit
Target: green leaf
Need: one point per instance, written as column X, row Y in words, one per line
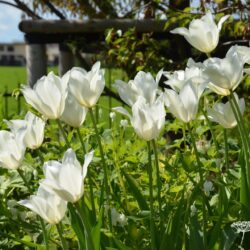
column 172, row 236
column 120, row 245
column 96, row 231
column 134, row 188
column 77, row 226
column 195, row 240
column 228, row 238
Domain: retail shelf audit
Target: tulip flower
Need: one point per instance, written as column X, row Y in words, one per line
column 223, row 113
column 74, row 114
column 184, row 105
column 47, row 96
column 203, row 34
column 12, row 148
column 179, row 78
column 224, row 75
column 143, row 85
column 147, row 120
column 243, row 52
column 47, row 205
column 34, row 129
column 66, row 179
column 85, row 86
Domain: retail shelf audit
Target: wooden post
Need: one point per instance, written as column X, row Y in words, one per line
column 36, row 62
column 66, row 59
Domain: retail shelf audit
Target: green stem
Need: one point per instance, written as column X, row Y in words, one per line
column 226, row 149
column 104, row 166
column 45, row 236
column 212, row 133
column 86, row 225
column 158, row 182
column 245, row 178
column 81, row 140
column 60, row 232
column 240, row 117
column 89, row 176
column 63, row 133
column 152, row 224
column 40, row 156
column 201, row 185
column 243, row 135
column 24, row 180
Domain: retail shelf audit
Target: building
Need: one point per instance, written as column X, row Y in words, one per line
column 14, row 54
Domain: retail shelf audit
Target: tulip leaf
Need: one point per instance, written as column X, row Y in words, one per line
column 77, row 226
column 96, row 231
column 120, row 245
column 195, row 241
column 171, row 237
column 134, row 188
column 228, row 238
column 28, row 243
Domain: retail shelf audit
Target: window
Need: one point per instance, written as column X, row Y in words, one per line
column 1, row 48
column 10, row 48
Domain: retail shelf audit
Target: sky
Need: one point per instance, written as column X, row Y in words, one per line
column 9, row 19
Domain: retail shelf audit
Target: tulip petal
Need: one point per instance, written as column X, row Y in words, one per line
column 122, row 111
column 87, row 159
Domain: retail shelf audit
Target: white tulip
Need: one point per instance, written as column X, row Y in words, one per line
column 243, row 51
column 179, row 78
column 66, row 179
column 184, row 105
column 143, row 85
column 34, row 126
column 223, row 113
column 85, row 86
column 74, row 114
column 12, row 148
column 224, row 75
column 203, row 34
column 47, row 96
column 147, row 120
column 49, row 206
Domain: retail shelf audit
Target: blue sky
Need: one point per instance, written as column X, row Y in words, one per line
column 9, row 19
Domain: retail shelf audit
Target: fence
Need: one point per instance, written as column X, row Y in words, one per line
column 11, row 103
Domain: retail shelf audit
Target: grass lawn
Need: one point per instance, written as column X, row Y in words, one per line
column 11, row 77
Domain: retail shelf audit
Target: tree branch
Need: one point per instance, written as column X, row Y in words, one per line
column 54, row 9
column 22, row 6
